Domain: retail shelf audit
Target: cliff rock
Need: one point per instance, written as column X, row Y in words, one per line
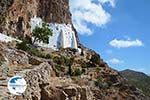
column 51, row 79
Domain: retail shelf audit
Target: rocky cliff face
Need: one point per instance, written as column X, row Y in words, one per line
column 15, row 15
column 64, row 75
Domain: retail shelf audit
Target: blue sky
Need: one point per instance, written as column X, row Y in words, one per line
column 119, row 30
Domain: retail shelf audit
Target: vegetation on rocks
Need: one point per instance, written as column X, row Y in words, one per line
column 23, row 46
column 65, row 69
column 98, row 69
column 98, row 81
column 32, row 50
column 2, row 59
column 77, row 72
column 64, row 61
column 95, row 59
column 41, row 34
column 138, row 79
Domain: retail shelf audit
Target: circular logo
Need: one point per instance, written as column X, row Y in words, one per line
column 17, row 85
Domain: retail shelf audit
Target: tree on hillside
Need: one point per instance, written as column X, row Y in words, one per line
column 41, row 34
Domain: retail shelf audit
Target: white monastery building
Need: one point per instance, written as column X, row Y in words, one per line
column 63, row 35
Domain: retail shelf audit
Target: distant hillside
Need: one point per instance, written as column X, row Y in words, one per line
column 138, row 79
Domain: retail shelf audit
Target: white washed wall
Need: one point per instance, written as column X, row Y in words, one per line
column 63, row 35
column 5, row 38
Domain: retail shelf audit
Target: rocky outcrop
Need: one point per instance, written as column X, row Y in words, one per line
column 49, row 79
column 43, row 86
column 14, row 57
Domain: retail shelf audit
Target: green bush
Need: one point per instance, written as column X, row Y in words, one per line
column 58, row 60
column 23, row 46
column 62, row 60
column 98, row 69
column 77, row 72
column 95, row 59
column 34, row 52
column 90, row 64
column 69, row 62
column 98, row 81
column 2, row 59
column 110, row 83
column 58, row 67
column 2, row 19
column 48, row 56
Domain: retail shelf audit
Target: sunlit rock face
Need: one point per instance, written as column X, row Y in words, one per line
column 63, row 35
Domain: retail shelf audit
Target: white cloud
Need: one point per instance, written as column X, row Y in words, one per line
column 112, row 2
column 115, row 61
column 126, row 43
column 86, row 12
